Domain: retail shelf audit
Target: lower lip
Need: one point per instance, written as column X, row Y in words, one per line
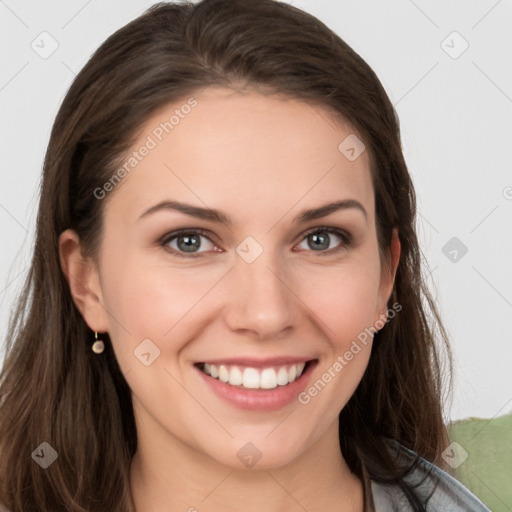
column 259, row 399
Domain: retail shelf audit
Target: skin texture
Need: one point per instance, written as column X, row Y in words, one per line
column 261, row 160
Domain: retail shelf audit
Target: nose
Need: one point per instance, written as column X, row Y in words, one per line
column 260, row 298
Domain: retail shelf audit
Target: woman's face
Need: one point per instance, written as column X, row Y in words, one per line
column 268, row 286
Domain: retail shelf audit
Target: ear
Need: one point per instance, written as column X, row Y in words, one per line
column 388, row 273
column 83, row 280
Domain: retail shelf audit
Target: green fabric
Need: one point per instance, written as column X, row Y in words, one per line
column 487, row 470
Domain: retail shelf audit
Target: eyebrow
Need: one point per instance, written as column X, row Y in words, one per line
column 218, row 216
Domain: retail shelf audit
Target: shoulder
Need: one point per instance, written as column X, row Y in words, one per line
column 438, row 490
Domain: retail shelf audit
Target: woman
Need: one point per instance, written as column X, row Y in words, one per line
column 225, row 307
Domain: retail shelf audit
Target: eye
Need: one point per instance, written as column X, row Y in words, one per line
column 187, row 242
column 319, row 240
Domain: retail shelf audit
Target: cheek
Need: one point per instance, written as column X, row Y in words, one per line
column 154, row 301
column 344, row 302
column 344, row 299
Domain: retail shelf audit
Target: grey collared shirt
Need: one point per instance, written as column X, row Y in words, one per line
column 438, row 491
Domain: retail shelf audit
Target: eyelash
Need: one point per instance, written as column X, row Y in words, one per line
column 344, row 236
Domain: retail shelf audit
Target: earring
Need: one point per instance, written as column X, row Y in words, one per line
column 98, row 346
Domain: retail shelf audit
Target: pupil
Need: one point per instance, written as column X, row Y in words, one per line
column 320, row 241
column 190, row 243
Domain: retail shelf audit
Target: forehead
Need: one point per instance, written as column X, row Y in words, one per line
column 242, row 152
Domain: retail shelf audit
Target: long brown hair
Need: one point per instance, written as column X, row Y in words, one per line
column 53, row 388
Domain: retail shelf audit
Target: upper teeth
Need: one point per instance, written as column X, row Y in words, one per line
column 264, row 378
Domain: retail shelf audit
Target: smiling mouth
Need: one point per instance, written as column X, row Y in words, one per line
column 255, row 378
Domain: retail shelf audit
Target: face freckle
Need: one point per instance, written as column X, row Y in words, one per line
column 252, row 291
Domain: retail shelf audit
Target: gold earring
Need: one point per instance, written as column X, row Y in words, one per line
column 98, row 346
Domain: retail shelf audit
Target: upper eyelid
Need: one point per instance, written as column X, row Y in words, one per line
column 171, row 235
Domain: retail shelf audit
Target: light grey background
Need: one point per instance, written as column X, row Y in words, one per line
column 455, row 110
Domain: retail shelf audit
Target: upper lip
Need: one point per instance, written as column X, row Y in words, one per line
column 258, row 362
